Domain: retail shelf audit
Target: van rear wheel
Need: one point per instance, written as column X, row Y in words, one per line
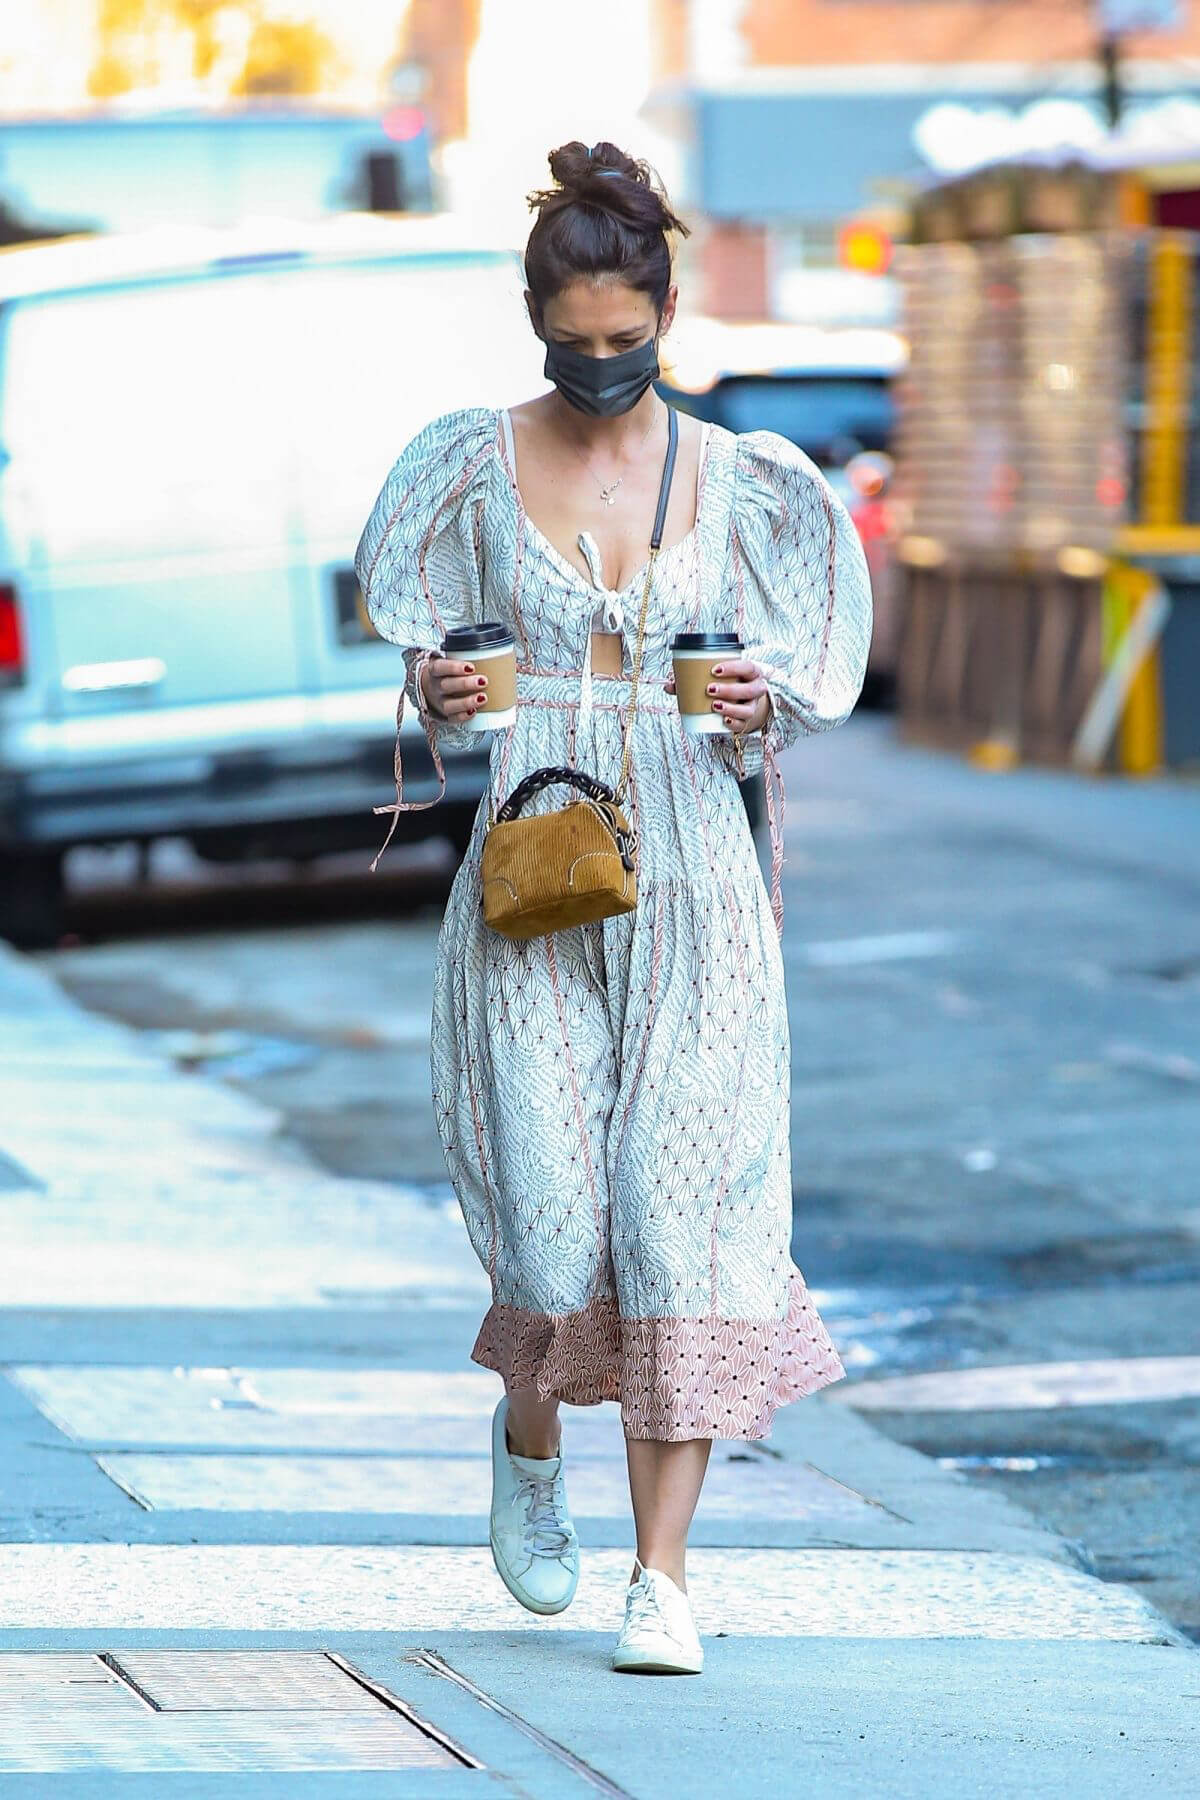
column 31, row 898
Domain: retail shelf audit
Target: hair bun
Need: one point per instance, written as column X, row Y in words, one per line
column 576, row 168
column 605, row 177
column 606, row 215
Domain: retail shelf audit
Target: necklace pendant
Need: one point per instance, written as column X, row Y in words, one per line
column 608, row 495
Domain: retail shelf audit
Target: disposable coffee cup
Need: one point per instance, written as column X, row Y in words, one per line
column 693, row 655
column 490, row 649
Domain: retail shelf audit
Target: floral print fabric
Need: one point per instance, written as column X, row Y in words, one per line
column 613, row 1099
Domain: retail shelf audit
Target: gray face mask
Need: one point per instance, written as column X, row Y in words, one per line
column 601, row 385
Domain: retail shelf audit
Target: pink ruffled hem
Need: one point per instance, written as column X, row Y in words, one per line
column 674, row 1378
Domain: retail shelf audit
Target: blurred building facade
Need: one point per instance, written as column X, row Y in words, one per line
column 122, row 114
column 126, row 174
column 774, row 122
column 798, row 115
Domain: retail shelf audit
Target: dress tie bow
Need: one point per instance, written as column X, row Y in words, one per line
column 609, row 615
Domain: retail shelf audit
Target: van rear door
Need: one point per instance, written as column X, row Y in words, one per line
column 156, row 540
column 384, row 347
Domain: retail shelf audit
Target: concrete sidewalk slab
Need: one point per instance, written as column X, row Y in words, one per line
column 333, row 1588
column 842, row 1719
column 824, row 1478
column 191, row 1305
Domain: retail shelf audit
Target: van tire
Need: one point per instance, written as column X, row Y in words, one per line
column 31, row 898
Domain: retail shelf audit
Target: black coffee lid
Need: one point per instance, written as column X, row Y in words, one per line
column 486, row 636
column 706, row 640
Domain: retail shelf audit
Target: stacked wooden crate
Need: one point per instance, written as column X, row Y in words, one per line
column 1012, row 482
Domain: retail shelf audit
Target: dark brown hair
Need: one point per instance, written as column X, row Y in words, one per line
column 606, row 215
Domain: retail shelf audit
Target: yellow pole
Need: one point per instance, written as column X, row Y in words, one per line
column 1168, row 370
column 1141, row 745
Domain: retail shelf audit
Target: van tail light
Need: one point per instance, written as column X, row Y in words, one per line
column 12, row 647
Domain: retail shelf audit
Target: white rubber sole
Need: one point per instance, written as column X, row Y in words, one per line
column 523, row 1598
column 544, row 1609
column 648, row 1662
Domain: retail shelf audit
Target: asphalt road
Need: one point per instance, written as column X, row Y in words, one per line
column 994, row 985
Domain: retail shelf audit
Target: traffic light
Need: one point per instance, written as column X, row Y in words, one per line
column 865, row 248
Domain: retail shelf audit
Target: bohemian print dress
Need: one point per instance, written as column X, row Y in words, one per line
column 613, row 1099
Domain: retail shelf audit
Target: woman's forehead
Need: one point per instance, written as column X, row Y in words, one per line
column 602, row 305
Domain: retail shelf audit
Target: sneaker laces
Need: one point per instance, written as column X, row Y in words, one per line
column 645, row 1609
column 543, row 1533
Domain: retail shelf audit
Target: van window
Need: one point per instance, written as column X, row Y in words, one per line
column 146, row 418
column 824, row 414
column 183, row 415
column 376, row 351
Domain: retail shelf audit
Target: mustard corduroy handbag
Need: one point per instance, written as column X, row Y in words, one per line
column 579, row 862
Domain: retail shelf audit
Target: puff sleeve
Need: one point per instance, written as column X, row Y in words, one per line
column 419, row 563
column 798, row 586
column 419, row 560
column 801, row 591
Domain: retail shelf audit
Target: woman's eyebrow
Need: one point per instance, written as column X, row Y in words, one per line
column 578, row 337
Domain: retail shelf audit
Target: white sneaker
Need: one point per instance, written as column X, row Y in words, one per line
column 533, row 1540
column 659, row 1636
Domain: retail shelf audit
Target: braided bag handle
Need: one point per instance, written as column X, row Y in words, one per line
column 544, row 778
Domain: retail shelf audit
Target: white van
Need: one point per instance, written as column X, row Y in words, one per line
column 194, row 426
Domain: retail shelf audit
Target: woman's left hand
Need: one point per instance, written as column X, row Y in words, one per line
column 739, row 693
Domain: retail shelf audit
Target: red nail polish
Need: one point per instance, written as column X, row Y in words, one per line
column 712, row 690
column 718, row 668
column 482, row 681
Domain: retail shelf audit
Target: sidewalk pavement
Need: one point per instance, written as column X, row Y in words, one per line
column 243, row 1495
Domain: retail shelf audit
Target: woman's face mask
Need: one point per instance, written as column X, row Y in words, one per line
column 603, row 386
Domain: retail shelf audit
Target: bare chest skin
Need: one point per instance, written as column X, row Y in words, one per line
column 562, row 499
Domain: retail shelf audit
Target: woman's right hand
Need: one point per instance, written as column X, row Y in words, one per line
column 452, row 689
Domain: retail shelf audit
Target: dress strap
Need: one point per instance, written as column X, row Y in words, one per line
column 510, row 450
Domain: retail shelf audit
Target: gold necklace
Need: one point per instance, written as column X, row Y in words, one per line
column 609, row 494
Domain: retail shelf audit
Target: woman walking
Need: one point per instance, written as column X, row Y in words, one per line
column 612, row 1097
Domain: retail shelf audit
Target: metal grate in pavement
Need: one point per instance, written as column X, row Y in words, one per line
column 158, row 1710
column 74, row 1678
column 243, row 1681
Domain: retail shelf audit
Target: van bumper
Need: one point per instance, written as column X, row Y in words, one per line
column 259, row 792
